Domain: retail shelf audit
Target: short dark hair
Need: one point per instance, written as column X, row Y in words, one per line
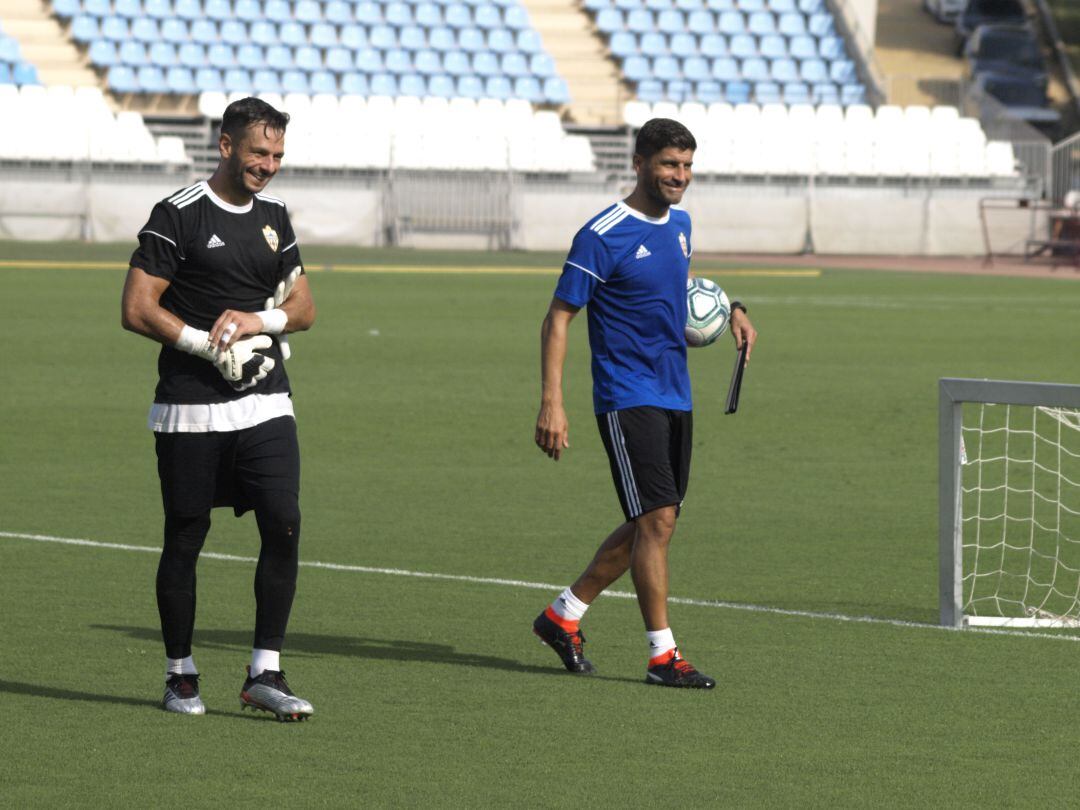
column 244, row 112
column 660, row 133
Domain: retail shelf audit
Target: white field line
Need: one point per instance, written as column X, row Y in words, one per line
column 545, row 586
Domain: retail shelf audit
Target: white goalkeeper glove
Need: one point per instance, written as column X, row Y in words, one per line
column 242, row 365
column 281, row 295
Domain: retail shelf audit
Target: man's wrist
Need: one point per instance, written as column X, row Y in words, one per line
column 195, row 341
column 273, row 321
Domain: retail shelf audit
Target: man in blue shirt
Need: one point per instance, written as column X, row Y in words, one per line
column 629, row 265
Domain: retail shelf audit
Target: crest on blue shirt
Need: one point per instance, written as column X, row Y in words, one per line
column 682, row 244
column 272, row 238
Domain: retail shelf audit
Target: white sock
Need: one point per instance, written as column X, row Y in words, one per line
column 660, row 642
column 569, row 606
column 264, row 659
column 180, row 666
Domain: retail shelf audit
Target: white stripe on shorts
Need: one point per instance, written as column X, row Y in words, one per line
column 622, row 458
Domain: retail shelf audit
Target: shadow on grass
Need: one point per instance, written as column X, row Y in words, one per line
column 41, row 690
column 376, row 649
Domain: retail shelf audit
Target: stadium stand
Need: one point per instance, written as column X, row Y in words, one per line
column 446, row 49
column 13, row 68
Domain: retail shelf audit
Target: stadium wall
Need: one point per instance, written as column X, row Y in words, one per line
column 111, row 207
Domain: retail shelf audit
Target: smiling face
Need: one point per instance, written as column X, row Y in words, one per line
column 251, row 160
column 663, row 177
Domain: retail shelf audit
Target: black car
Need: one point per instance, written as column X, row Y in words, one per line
column 1022, row 99
column 1006, row 50
column 987, row 12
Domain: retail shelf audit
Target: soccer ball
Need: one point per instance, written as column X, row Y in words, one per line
column 707, row 312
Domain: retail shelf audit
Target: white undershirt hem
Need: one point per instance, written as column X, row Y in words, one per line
column 219, row 417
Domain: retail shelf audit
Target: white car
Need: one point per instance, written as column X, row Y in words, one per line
column 945, row 11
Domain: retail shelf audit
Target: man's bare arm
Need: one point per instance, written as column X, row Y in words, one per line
column 552, row 428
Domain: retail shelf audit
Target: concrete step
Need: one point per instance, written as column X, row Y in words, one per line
column 44, row 44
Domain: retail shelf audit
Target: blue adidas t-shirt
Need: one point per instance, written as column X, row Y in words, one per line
column 631, row 270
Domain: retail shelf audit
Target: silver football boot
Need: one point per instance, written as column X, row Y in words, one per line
column 270, row 692
column 182, row 695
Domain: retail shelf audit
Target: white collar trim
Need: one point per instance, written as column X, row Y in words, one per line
column 220, row 203
column 644, row 217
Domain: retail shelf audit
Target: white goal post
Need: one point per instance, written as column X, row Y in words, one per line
column 1009, row 503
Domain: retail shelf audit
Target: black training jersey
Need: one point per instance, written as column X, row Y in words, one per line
column 215, row 256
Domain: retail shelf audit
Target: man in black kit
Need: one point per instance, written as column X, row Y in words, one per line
column 217, row 273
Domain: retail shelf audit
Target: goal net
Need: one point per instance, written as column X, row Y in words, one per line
column 1012, row 491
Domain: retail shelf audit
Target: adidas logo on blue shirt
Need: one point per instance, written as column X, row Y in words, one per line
column 642, row 252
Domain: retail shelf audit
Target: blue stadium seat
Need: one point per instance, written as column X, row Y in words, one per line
column 278, row 57
column 528, row 88
column 708, row 91
column 442, row 39
column 122, row 79
column 441, row 86
column 266, row 81
column 66, row 9
column 295, row 81
column 487, row 17
column 499, row 87
column 637, row 68
column 792, row 24
column 610, row 20
column 192, row 55
column 126, row 8
column 628, row 5
column 180, row 80
column 773, row 46
column 784, row 70
column 115, row 29
column 831, row 47
column 354, row 37
column 428, row 15
column 427, row 62
column 412, row 38
column 470, row 87
column 471, row 40
column 308, row 58
column 666, row 68
column 556, row 91
column 689, row 5
column 85, row 29
column 218, row 10
column 367, row 13
column 767, row 93
column 382, row 84
column 158, row 9
column 130, row 53
column 338, row 12
column 324, row 35
column 97, row 8
column 188, row 10
column 653, row 43
column 814, row 71
column 650, row 90
column 398, row 13
column 852, row 94
column 369, row 60
column 623, row 44
column 323, row 81
column 292, row 33
column 251, row 56
column 456, row 63
column 277, row 11
column 747, row 6
column 398, row 61
column 516, row 18
column 713, row 45
column 725, row 69
column 640, row 21
column 671, row 21
column 9, row 50
column 151, row 79
column 528, row 41
column 796, row 93
column 486, row 64
column 683, row 44
column 248, row 10
column 820, row 24
column 824, row 93
column 595, row 5
column 339, row 60
column 677, row 90
column 161, row 54
column 782, row 6
column 101, row 53
column 412, row 84
column 308, row 12
column 501, row 40
column 382, row 37
column 542, row 66
column 803, row 47
column 208, row 80
column 842, row 71
column 354, row 84
column 720, row 6
column 206, row 31
column 696, row 68
column 458, row 16
column 657, row 5
column 743, row 46
column 811, row 6
column 761, row 23
column 220, row 55
column 237, row 80
column 514, row 65
column 236, row 33
column 145, row 29
column 754, row 69
column 731, row 22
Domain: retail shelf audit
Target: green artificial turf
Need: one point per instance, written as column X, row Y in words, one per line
column 416, row 396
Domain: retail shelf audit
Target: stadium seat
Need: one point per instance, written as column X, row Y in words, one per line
column 824, row 93
column 820, row 24
column 456, row 63
column 208, row 80
column 295, row 81
column 813, row 71
column 247, row 10
column 115, row 29
column 731, row 22
column 754, row 69
column 701, row 21
column 354, row 84
column 501, row 41
column 307, row 11
column 516, row 18
column 514, row 65
column 65, row 9
column 743, row 46
column 640, row 21
column 803, row 47
column 122, row 79
column 162, row 54
column 323, row 35
column 653, row 44
column 397, row 13
column 470, row 87
column 608, row 20
column 188, row 10
column 684, row 44
column 725, row 69
column 666, row 68
column 158, row 9
column 500, row 87
column 487, row 17
column 650, row 90
column 556, row 91
column 811, row 6
column 677, row 90
column 852, row 94
column 773, row 46
column 278, row 57
column 796, row 93
column 623, row 44
column 262, row 33
column 292, row 33
column 458, row 16
column 323, row 81
column 123, row 8
column 354, row 37
column 713, row 45
column 130, row 53
column 528, row 88
column 398, row 61
column 528, row 41
column 842, row 71
column 308, row 58
column 737, row 92
column 792, row 24
column 696, row 68
column 180, row 80
column 191, row 55
column 831, row 47
column 97, row 8
column 428, row 15
column 471, row 40
column 747, row 6
column 760, row 23
column 85, row 29
column 784, row 70
column 278, row 11
column 441, row 86
column 266, row 80
column 151, row 79
column 708, row 91
column 101, row 53
column 637, row 68
column 339, row 60
column 767, row 93
column 221, row 56
column 367, row 13
column 485, row 64
column 237, row 80
column 671, row 21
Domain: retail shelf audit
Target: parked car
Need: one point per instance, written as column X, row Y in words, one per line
column 945, row 11
column 1022, row 100
column 1005, row 50
column 986, row 12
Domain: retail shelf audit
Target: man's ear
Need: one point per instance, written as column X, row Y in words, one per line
column 225, row 145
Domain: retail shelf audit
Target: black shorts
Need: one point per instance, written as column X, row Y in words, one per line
column 649, row 451
column 199, row 471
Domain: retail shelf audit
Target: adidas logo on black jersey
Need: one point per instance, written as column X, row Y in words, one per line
column 215, row 242
column 642, row 252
